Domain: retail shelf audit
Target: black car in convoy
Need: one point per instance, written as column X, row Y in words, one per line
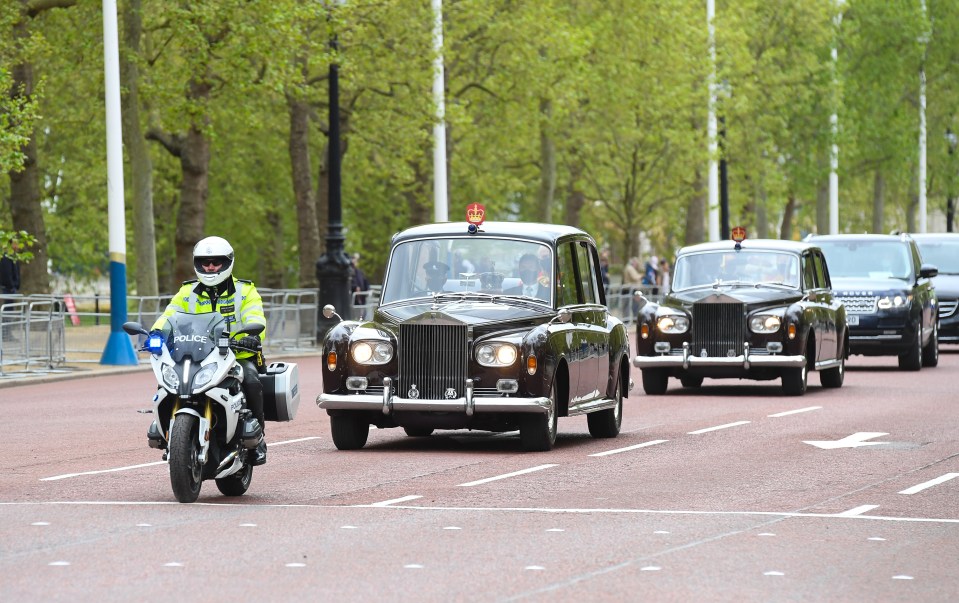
column 756, row 309
column 942, row 251
column 887, row 289
column 497, row 327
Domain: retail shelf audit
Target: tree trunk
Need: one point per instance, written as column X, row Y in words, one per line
column 786, row 230
column 419, row 212
column 271, row 264
column 308, row 234
column 191, row 218
column 822, row 208
column 141, row 166
column 323, row 187
column 575, row 198
column 547, row 170
column 25, row 208
column 878, row 201
column 696, row 213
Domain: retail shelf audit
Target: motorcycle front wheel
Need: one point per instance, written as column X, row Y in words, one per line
column 236, row 484
column 185, row 469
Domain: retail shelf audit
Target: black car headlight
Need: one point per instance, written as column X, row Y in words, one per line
column 371, row 352
column 765, row 323
column 672, row 323
column 894, row 301
column 496, row 354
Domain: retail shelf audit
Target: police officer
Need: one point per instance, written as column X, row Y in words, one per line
column 238, row 300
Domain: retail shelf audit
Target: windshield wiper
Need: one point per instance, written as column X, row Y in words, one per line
column 776, row 284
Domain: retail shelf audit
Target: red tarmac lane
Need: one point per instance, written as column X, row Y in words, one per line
column 717, row 496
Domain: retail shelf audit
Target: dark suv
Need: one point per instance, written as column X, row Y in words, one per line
column 942, row 250
column 890, row 301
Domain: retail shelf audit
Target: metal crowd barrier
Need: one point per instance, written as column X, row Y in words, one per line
column 32, row 337
column 365, row 301
column 622, row 302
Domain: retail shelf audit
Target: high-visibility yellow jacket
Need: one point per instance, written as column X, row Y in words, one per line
column 240, row 303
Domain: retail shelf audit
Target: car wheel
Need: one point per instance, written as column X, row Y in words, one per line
column 691, row 381
column 796, row 379
column 834, row 377
column 538, row 432
column 930, row 355
column 606, row 423
column 418, row 432
column 655, row 381
column 349, row 431
column 912, row 360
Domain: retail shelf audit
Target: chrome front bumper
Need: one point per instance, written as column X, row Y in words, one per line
column 744, row 360
column 388, row 404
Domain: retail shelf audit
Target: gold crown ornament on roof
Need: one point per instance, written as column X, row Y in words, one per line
column 475, row 213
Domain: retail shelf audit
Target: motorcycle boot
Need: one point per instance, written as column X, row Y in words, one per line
column 253, row 389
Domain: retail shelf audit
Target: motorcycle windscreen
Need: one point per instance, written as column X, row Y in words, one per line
column 194, row 336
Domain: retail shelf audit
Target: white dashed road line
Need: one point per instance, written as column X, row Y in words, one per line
column 718, row 427
column 858, row 510
column 795, row 412
column 387, row 503
column 628, row 448
column 930, row 483
column 505, row 475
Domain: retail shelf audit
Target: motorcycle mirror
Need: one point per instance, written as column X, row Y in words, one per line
column 134, row 328
column 252, row 329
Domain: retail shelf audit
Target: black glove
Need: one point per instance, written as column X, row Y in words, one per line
column 250, row 343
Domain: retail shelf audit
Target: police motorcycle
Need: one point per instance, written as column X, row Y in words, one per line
column 202, row 421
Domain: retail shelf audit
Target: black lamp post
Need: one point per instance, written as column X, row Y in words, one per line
column 952, row 139
column 333, row 267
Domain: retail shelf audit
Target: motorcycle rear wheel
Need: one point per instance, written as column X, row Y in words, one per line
column 236, row 484
column 185, row 468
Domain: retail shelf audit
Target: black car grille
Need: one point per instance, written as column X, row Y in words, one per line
column 433, row 360
column 718, row 328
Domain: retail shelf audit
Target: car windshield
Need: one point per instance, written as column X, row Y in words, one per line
column 466, row 265
column 742, row 267
column 944, row 255
column 867, row 259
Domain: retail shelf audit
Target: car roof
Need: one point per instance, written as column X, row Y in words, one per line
column 904, row 237
column 543, row 233
column 935, row 236
column 750, row 244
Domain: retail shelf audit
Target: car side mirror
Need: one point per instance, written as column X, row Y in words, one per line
column 329, row 312
column 563, row 316
column 928, row 271
column 640, row 299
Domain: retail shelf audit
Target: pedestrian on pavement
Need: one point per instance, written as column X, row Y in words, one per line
column 360, row 286
column 9, row 284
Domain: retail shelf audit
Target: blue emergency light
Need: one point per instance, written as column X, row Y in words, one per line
column 155, row 344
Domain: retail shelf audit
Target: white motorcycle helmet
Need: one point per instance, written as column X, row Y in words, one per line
column 214, row 251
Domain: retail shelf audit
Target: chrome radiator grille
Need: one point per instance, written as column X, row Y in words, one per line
column 947, row 307
column 433, row 359
column 719, row 329
column 859, row 304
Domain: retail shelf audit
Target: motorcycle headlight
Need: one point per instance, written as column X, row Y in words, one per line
column 496, row 354
column 765, row 323
column 169, row 377
column 203, row 377
column 672, row 323
column 372, row 352
column 894, row 301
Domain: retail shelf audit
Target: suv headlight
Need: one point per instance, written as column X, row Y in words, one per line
column 371, row 352
column 496, row 354
column 672, row 323
column 894, row 301
column 765, row 323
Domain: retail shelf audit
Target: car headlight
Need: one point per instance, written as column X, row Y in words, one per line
column 894, row 301
column 371, row 352
column 203, row 377
column 169, row 377
column 765, row 323
column 672, row 323
column 496, row 354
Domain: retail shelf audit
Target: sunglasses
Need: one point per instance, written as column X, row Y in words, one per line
column 211, row 263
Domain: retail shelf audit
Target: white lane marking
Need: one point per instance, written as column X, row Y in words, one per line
column 650, row 568
column 660, row 532
column 295, row 565
column 247, row 525
column 506, row 475
column 556, row 530
column 858, row 510
column 59, row 563
column 66, row 475
column 698, row 431
column 387, row 503
column 348, row 528
column 452, row 528
column 930, row 483
column 534, row 567
column 766, row 534
column 628, row 448
column 795, row 412
column 413, row 566
column 40, row 523
column 173, row 564
column 850, row 441
column 773, row 574
column 144, row 525
column 547, row 510
column 901, row 577
column 876, row 538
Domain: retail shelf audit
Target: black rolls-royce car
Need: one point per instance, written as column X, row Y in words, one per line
column 496, row 326
column 941, row 249
column 890, row 300
column 749, row 309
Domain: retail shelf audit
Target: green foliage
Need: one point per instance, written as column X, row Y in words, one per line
column 23, row 240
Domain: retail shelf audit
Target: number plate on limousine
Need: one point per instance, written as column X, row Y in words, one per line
column 852, row 320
